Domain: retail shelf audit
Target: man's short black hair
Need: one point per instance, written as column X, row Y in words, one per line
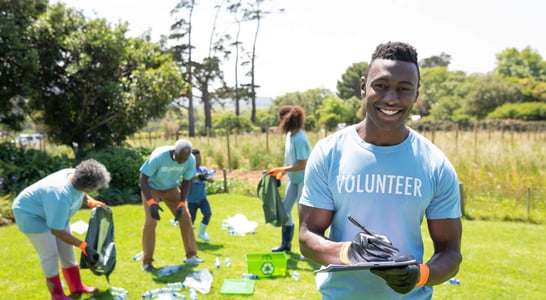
column 195, row 151
column 396, row 51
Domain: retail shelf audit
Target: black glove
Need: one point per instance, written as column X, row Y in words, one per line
column 154, row 209
column 90, row 253
column 400, row 279
column 203, row 177
column 370, row 248
column 179, row 210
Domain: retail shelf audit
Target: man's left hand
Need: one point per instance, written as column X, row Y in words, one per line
column 179, row 210
column 401, row 279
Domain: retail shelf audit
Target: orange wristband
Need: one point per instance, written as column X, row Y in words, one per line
column 425, row 272
column 180, row 204
column 82, row 247
column 151, row 201
column 344, row 253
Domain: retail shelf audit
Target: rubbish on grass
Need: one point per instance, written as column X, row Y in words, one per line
column 200, row 280
column 79, row 227
column 239, row 225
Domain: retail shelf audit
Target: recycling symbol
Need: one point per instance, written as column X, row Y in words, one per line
column 267, row 268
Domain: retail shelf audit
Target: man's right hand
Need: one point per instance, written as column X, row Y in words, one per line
column 154, row 208
column 368, row 248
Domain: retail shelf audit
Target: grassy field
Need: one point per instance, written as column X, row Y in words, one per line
column 503, row 174
column 502, row 260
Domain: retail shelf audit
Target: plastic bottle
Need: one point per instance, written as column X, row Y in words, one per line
column 193, row 294
column 168, row 270
column 175, row 286
column 138, row 256
column 250, row 276
column 118, row 290
column 118, row 293
column 149, row 294
column 227, row 262
column 210, row 174
column 296, row 275
column 217, row 263
column 171, row 296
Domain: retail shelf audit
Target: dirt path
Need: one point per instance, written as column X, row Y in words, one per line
column 252, row 177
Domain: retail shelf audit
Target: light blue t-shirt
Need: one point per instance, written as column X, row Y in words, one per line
column 198, row 189
column 47, row 204
column 163, row 172
column 296, row 148
column 388, row 189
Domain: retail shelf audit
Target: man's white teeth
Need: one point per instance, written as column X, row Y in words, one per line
column 389, row 112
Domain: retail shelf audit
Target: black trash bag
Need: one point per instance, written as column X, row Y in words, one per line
column 274, row 211
column 100, row 236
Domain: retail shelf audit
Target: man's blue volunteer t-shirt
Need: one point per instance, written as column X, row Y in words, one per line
column 388, row 189
column 165, row 173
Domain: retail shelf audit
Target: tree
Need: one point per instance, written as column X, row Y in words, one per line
column 487, row 92
column 181, row 29
column 437, row 83
column 235, row 10
column 206, row 76
column 533, row 90
column 442, row 60
column 445, row 107
column 524, row 64
column 254, row 13
column 97, row 86
column 310, row 100
column 334, row 111
column 18, row 59
column 349, row 85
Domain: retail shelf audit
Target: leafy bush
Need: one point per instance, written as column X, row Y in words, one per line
column 527, row 111
column 6, row 214
column 123, row 165
column 20, row 167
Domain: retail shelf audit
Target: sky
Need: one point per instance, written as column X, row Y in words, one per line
column 313, row 42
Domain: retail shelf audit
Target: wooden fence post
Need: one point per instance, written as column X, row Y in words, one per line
column 225, row 181
column 228, row 150
column 528, row 202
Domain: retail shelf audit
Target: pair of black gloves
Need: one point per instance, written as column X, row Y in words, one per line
column 155, row 208
column 371, row 247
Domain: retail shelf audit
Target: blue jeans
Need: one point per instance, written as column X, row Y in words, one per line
column 204, row 206
column 292, row 194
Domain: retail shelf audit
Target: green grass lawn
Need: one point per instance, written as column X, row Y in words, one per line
column 502, row 260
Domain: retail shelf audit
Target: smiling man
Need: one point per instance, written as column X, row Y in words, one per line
column 388, row 178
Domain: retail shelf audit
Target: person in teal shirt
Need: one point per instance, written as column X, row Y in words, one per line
column 296, row 152
column 42, row 212
column 166, row 175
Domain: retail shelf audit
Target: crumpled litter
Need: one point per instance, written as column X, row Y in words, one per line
column 200, row 280
column 239, row 225
column 80, row 227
